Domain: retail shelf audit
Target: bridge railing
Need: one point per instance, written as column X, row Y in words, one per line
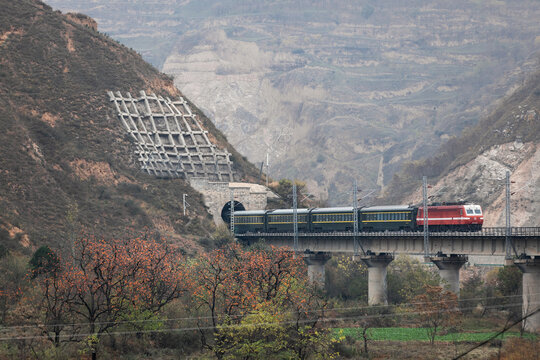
column 485, row 232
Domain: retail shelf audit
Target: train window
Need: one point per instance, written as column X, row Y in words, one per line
column 477, row 211
column 470, row 212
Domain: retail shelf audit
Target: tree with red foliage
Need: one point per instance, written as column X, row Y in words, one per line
column 436, row 308
column 107, row 280
column 259, row 302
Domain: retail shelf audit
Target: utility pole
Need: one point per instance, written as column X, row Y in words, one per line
column 295, row 218
column 508, row 239
column 355, row 218
column 267, row 168
column 426, row 225
column 184, row 203
column 232, row 212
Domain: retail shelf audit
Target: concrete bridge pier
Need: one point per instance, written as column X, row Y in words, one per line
column 315, row 264
column 530, row 267
column 449, row 269
column 377, row 269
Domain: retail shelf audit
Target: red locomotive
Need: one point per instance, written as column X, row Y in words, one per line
column 451, row 218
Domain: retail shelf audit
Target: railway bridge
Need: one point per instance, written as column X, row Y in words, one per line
column 449, row 251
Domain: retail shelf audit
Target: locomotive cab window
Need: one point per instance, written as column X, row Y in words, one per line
column 470, row 212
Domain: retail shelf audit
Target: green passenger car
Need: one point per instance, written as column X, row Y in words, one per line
column 332, row 219
column 281, row 220
column 388, row 218
column 249, row 221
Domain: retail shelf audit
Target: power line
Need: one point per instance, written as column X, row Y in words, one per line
column 236, row 326
column 409, row 304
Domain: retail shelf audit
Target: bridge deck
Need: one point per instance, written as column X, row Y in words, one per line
column 489, row 241
column 485, row 232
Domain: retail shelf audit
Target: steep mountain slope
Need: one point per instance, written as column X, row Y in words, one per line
column 473, row 166
column 333, row 90
column 66, row 163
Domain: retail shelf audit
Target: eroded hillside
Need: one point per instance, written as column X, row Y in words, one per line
column 66, row 163
column 473, row 166
column 334, row 90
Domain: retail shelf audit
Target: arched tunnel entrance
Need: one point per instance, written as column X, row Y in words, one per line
column 226, row 211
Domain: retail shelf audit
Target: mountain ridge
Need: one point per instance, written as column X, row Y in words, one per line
column 473, row 165
column 67, row 163
column 334, row 91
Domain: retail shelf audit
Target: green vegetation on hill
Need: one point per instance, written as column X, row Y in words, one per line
column 66, row 163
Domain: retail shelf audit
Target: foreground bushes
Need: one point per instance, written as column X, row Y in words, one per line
column 128, row 296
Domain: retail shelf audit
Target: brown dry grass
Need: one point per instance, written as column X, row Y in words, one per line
column 421, row 350
column 519, row 349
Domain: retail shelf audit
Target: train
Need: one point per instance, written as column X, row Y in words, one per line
column 441, row 217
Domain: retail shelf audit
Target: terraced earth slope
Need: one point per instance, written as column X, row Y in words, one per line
column 333, row 90
column 473, row 166
column 66, row 163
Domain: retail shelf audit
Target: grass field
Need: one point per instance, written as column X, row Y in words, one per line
column 420, row 334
